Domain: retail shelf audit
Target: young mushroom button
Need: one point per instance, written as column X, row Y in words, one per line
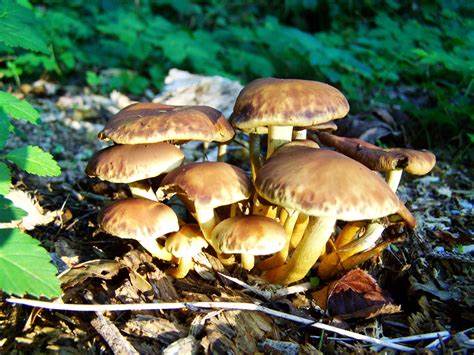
column 134, row 165
column 206, row 186
column 326, row 186
column 185, row 244
column 140, row 219
column 249, row 236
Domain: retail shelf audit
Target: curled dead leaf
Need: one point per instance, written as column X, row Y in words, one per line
column 354, row 295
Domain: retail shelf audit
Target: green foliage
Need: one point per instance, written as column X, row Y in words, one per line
column 25, row 267
column 372, row 50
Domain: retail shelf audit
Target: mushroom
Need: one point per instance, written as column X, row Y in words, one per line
column 249, row 236
column 281, row 104
column 300, row 133
column 153, row 122
column 392, row 161
column 184, row 245
column 140, row 219
column 326, row 186
column 134, row 165
column 205, row 186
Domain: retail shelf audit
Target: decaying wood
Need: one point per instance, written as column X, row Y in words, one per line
column 112, row 336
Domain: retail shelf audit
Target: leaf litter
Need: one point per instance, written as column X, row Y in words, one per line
column 429, row 275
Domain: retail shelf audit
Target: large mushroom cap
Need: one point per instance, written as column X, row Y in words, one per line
column 420, row 162
column 287, row 102
column 209, row 184
column 153, row 122
column 253, row 235
column 137, row 218
column 186, row 242
column 130, row 163
column 324, row 183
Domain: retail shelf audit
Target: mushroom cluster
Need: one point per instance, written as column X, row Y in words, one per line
column 311, row 199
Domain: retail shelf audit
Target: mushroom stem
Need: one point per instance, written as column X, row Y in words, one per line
column 233, row 210
column 372, row 234
column 226, row 259
column 306, row 254
column 348, row 233
column 142, row 188
column 221, row 151
column 280, row 257
column 184, row 265
column 298, row 231
column 282, row 216
column 207, row 220
column 393, row 178
column 278, row 136
column 299, row 135
column 155, row 249
column 254, row 152
column 247, row 261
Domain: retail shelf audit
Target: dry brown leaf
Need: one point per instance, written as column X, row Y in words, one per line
column 156, row 328
column 354, row 295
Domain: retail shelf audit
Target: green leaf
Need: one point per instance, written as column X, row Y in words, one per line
column 20, row 28
column 5, row 128
column 34, row 160
column 8, row 212
column 5, row 179
column 18, row 109
column 25, row 267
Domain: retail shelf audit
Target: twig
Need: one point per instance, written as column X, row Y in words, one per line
column 264, row 294
column 305, row 286
column 112, row 336
column 437, row 342
column 205, row 305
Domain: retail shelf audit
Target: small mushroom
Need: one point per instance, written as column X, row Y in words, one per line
column 249, row 236
column 134, row 165
column 206, row 186
column 326, row 186
column 140, row 219
column 184, row 245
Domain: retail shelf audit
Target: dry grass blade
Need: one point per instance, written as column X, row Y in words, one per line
column 206, row 306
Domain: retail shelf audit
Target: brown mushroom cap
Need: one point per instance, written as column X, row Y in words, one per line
column 414, row 162
column 287, row 102
column 153, row 122
column 186, row 242
column 130, row 163
column 137, row 218
column 253, row 235
column 208, row 184
column 324, row 183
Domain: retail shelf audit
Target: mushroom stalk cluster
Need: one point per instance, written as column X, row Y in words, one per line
column 288, row 206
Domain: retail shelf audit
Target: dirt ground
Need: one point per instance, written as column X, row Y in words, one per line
column 427, row 272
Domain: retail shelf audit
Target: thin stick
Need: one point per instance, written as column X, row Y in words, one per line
column 204, row 305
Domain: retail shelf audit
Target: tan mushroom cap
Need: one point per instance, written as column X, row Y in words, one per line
column 137, row 218
column 308, row 143
column 287, row 102
column 152, row 122
column 208, row 184
column 416, row 162
column 324, row 183
column 253, row 235
column 130, row 163
column 186, row 242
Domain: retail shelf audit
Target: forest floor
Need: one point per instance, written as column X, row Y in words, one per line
column 428, row 272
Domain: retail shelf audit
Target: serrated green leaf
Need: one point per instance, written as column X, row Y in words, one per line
column 25, row 267
column 20, row 28
column 18, row 109
column 5, row 179
column 8, row 212
column 34, row 160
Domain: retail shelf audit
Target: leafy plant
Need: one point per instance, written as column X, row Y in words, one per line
column 25, row 266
